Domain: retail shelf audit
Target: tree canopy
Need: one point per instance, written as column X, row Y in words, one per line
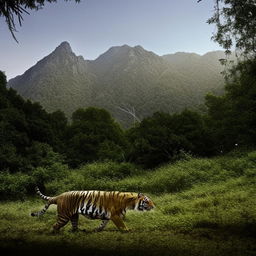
column 235, row 21
column 163, row 138
column 28, row 134
column 232, row 116
column 94, row 135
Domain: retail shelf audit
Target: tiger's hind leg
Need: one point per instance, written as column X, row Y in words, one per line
column 61, row 222
column 74, row 222
column 101, row 226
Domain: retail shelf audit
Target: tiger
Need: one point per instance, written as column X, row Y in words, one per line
column 94, row 204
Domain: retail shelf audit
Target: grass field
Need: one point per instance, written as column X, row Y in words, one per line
column 214, row 216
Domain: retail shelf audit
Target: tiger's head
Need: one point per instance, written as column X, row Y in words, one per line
column 144, row 203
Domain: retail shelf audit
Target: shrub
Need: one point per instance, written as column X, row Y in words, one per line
column 42, row 175
column 14, row 186
column 109, row 170
column 172, row 210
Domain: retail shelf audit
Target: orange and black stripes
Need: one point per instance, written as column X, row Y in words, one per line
column 104, row 205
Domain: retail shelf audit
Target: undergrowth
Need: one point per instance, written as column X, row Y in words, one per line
column 203, row 207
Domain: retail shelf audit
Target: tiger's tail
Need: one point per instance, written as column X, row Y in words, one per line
column 50, row 200
column 41, row 195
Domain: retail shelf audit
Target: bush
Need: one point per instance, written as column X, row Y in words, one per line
column 109, row 170
column 170, row 178
column 165, row 182
column 19, row 185
column 94, row 135
column 180, row 176
column 56, row 171
column 14, row 186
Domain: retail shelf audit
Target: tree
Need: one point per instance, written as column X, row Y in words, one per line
column 94, row 135
column 235, row 21
column 15, row 9
column 233, row 115
column 59, row 124
column 27, row 131
column 164, row 137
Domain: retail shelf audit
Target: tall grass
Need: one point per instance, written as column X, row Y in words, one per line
column 170, row 178
column 210, row 218
column 203, row 207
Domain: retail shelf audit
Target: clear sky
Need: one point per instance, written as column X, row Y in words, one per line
column 93, row 26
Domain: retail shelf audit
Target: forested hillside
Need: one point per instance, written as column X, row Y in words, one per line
column 93, row 134
column 28, row 134
column 32, row 138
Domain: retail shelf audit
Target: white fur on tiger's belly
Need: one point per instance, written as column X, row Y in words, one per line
column 94, row 213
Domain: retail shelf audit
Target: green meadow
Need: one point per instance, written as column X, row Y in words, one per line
column 203, row 207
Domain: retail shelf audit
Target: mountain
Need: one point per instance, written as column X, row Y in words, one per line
column 59, row 81
column 124, row 80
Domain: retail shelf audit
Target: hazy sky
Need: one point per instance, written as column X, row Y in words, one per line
column 93, row 26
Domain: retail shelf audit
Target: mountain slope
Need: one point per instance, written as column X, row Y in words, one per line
column 59, row 81
column 123, row 79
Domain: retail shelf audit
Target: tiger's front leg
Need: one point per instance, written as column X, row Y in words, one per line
column 119, row 223
column 101, row 226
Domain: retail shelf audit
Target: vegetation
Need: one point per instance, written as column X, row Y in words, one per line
column 235, row 23
column 164, row 138
column 31, row 138
column 28, row 134
column 232, row 116
column 94, row 135
column 128, row 177
column 204, row 206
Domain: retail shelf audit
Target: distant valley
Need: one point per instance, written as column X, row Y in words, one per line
column 124, row 80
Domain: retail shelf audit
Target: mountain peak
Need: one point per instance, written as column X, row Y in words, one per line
column 64, row 47
column 139, row 47
column 130, row 48
column 124, row 46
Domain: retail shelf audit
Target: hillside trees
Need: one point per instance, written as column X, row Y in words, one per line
column 94, row 135
column 232, row 116
column 27, row 132
column 30, row 137
column 163, row 137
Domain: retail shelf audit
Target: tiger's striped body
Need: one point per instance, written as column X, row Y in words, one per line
column 104, row 205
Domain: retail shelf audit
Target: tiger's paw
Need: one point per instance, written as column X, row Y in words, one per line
column 127, row 230
column 54, row 232
column 98, row 230
column 74, row 230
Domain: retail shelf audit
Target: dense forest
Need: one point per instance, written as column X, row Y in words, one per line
column 32, row 139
